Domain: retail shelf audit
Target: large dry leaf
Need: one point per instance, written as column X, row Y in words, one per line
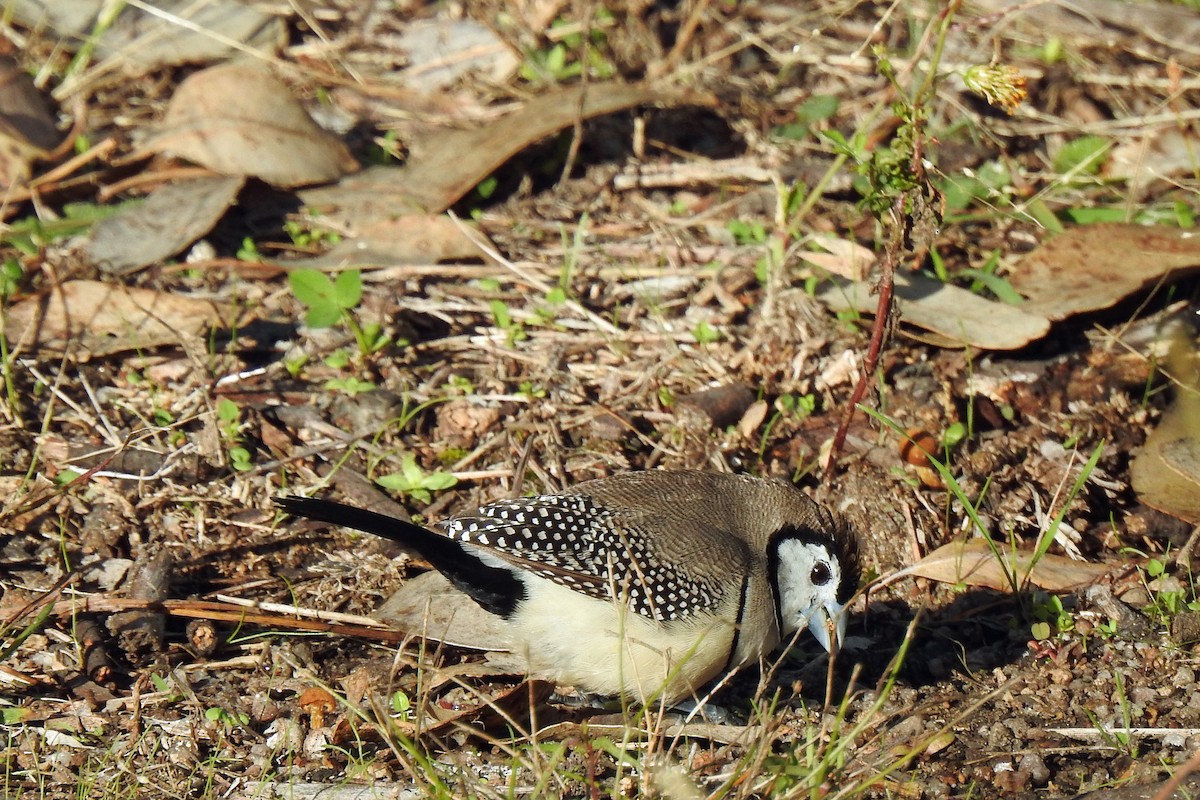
column 69, row 19
column 974, row 564
column 1118, row 23
column 1093, row 266
column 172, row 217
column 102, row 319
column 1154, row 154
column 442, row 51
column 173, row 32
column 188, row 32
column 958, row 316
column 445, row 165
column 414, row 239
column 237, row 119
column 843, row 257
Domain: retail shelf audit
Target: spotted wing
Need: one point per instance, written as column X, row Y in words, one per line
column 598, row 551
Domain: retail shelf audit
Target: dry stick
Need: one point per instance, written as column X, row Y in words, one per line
column 683, row 40
column 48, row 181
column 1168, row 789
column 883, row 314
column 153, row 177
column 584, row 75
column 902, row 235
column 224, row 612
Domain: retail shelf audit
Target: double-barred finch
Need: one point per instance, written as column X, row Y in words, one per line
column 647, row 584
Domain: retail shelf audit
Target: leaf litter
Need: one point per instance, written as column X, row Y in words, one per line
column 556, row 323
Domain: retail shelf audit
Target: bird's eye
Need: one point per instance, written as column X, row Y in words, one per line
column 821, row 574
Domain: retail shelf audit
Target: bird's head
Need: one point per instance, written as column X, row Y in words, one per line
column 814, row 575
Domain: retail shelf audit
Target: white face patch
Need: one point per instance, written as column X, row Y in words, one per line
column 808, row 577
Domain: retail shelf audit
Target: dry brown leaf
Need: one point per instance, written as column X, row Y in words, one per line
column 958, row 316
column 165, row 32
column 238, row 119
column 172, row 217
column 413, row 239
column 754, row 416
column 69, row 19
column 973, row 563
column 1091, row 267
column 448, row 164
column 102, row 319
column 1155, row 154
column 442, row 51
column 1119, row 24
column 841, row 257
column 1183, row 456
column 198, row 33
column 445, row 165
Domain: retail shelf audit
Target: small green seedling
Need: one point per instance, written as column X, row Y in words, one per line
column 166, row 687
column 351, row 386
column 705, row 333
column 227, row 719
column 415, row 482
column 1052, row 618
column 514, row 331
column 787, row 406
column 326, row 299
column 566, row 59
column 744, row 233
column 814, row 110
column 459, row 384
column 1082, row 156
column 531, row 390
column 401, row 704
column 229, row 423
column 249, row 251
column 307, row 236
column 330, row 301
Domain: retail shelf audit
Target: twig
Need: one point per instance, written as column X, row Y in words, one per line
column 1168, row 789
column 883, row 322
column 226, row 612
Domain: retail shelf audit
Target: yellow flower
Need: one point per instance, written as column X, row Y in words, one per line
column 999, row 84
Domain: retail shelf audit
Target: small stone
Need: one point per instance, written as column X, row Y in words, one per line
column 724, row 405
column 908, row 728
column 1011, row 780
column 1185, row 627
column 1136, row 597
column 1035, row 766
column 1018, row 726
column 1061, row 676
column 1143, row 695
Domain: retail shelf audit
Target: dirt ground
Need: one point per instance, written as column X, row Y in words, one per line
column 649, row 296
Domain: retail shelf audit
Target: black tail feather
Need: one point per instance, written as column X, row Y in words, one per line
column 496, row 589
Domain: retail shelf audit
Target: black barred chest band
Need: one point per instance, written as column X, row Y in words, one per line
column 588, row 549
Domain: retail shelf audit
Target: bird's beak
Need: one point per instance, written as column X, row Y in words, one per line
column 828, row 626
